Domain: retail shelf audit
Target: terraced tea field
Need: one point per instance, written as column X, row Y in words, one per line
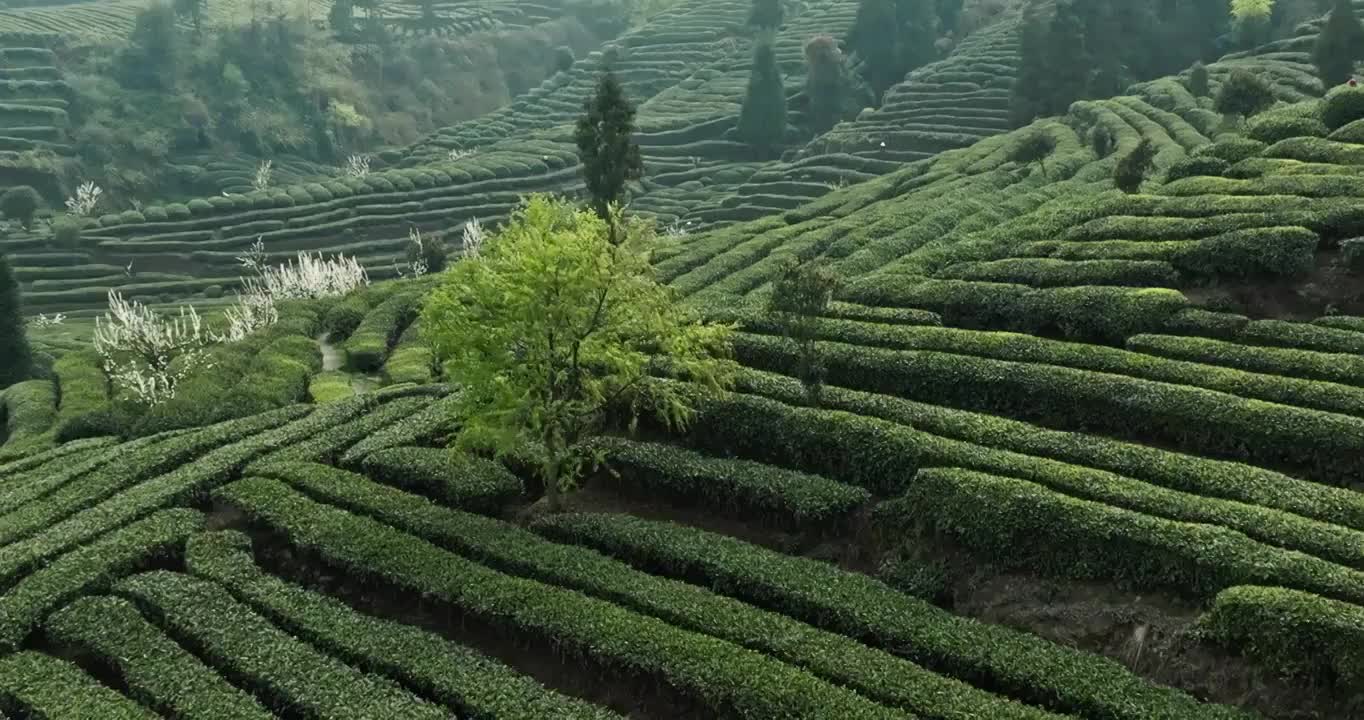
column 1080, row 454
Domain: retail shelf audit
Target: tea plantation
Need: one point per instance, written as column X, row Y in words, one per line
column 1080, row 452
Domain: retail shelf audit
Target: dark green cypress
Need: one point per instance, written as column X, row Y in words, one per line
column 609, row 155
column 762, row 120
column 1339, row 45
column 16, row 361
column 766, row 14
column 875, row 40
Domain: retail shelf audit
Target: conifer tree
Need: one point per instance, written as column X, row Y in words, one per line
column 762, row 121
column 1339, row 45
column 609, row 154
column 826, row 82
column 875, row 40
column 766, row 14
column 16, row 361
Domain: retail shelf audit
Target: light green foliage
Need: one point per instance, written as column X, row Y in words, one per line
column 800, row 295
column 1294, row 632
column 1342, row 106
column 553, row 327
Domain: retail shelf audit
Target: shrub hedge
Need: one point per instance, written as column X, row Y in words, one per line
column 879, row 456
column 1245, row 484
column 1007, row 661
column 325, row 446
column 454, row 478
column 1294, row 633
column 513, row 550
column 368, row 346
column 1018, row 523
column 427, row 426
column 1331, row 367
column 91, row 568
column 157, row 672
column 1327, row 445
column 726, row 679
column 42, row 687
column 63, row 495
column 477, row 687
column 60, row 455
column 330, row 386
column 243, row 646
column 789, row 499
column 187, row 482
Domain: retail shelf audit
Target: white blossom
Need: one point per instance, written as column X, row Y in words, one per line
column 472, row 240
column 147, row 354
column 43, row 321
column 87, row 197
column 458, row 154
column 418, row 264
column 310, row 276
column 263, row 173
column 357, row 166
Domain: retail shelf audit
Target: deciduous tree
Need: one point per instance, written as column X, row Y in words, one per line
column 800, row 296
column 1134, row 166
column 554, row 330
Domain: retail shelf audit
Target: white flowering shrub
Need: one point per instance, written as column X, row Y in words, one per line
column 310, row 276
column 357, row 166
column 263, row 173
column 417, row 264
column 146, row 354
column 458, row 154
column 86, row 199
column 46, row 321
column 472, row 239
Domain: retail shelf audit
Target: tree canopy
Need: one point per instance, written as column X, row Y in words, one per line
column 609, row 155
column 16, row 360
column 762, row 119
column 1339, row 45
column 554, row 329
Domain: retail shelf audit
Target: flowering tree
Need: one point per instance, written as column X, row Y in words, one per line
column 263, row 173
column 86, row 198
column 472, row 240
column 357, row 166
column 147, row 354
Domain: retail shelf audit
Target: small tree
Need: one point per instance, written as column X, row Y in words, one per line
column 66, row 232
column 1244, row 94
column 1199, row 84
column 1134, row 166
column 762, row 120
column 609, row 155
column 1034, row 148
column 554, row 328
column 766, row 14
column 800, row 297
column 20, row 203
column 1339, row 45
column 16, row 360
column 875, row 40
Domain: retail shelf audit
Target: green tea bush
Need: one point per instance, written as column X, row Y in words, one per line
column 367, row 347
column 453, row 478
column 457, row 676
column 1196, row 165
column 1232, row 149
column 714, row 672
column 1013, row 663
column 1272, row 127
column 268, row 661
column 1295, row 633
column 177, row 211
column 1342, row 106
column 1016, row 523
column 344, row 316
column 330, row 386
column 199, row 206
column 92, row 568
column 157, row 671
column 786, row 498
column 35, row 685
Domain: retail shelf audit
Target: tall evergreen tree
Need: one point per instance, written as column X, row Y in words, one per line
column 918, row 22
column 609, row 154
column 766, row 14
column 875, row 40
column 826, row 82
column 16, row 361
column 1068, row 60
column 1339, row 45
column 762, row 120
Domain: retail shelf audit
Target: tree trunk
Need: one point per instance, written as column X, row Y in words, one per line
column 556, row 499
